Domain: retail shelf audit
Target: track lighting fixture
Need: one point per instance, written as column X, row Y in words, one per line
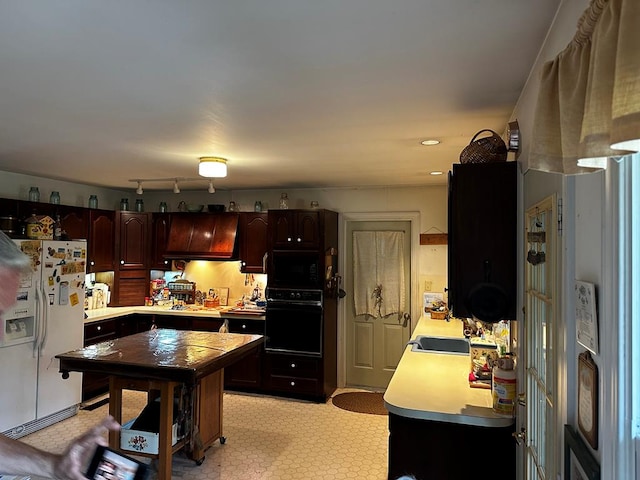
column 176, row 188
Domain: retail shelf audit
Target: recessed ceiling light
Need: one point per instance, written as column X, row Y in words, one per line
column 430, row 142
column 437, row 172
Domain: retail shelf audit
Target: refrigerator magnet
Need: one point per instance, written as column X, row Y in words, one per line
column 73, row 299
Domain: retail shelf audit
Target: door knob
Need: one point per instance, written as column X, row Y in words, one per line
column 522, row 399
column 406, row 317
column 520, row 437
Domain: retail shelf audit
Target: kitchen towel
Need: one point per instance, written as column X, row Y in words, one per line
column 378, row 269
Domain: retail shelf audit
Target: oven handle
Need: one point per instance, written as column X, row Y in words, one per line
column 288, row 303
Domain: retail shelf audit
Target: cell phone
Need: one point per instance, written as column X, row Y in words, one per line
column 107, row 464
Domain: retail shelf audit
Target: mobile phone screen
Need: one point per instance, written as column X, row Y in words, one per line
column 107, row 464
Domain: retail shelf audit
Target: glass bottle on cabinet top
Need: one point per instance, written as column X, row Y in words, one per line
column 54, row 198
column 93, row 201
column 139, row 205
column 284, row 201
column 34, row 194
column 124, row 204
column 57, row 228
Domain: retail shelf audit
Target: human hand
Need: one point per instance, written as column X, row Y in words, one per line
column 68, row 466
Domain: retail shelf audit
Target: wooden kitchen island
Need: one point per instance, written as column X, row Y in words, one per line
column 172, row 365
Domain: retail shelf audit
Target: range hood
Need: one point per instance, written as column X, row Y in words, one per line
column 202, row 236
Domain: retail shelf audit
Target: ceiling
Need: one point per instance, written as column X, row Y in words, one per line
column 294, row 93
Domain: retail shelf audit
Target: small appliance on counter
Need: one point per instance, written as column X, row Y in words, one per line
column 184, row 290
column 97, row 296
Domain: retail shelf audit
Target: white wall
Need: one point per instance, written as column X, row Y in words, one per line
column 16, row 186
column 430, row 202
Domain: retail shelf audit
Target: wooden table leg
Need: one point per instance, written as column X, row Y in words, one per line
column 115, row 410
column 165, row 435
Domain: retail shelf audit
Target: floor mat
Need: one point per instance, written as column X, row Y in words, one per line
column 361, row 402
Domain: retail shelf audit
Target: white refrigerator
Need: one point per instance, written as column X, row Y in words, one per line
column 46, row 320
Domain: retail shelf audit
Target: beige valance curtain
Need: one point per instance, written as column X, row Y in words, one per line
column 589, row 102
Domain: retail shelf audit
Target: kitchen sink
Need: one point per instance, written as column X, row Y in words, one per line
column 456, row 346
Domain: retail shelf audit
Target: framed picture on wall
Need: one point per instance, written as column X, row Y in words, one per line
column 579, row 462
column 588, row 398
column 586, row 316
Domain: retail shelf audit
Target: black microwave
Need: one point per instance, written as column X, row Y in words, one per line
column 295, row 270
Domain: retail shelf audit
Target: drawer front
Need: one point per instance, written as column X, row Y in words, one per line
column 239, row 325
column 206, row 324
column 293, row 384
column 99, row 331
column 294, row 366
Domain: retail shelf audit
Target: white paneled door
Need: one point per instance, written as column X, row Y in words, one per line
column 541, row 306
column 378, row 321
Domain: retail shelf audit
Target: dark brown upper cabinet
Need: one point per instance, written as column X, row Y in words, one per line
column 252, row 231
column 159, row 237
column 294, row 229
column 101, row 241
column 133, row 239
column 482, row 240
column 75, row 221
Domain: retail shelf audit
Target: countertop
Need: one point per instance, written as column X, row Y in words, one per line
column 432, row 386
column 114, row 312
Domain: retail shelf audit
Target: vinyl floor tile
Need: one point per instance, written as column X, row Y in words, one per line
column 267, row 438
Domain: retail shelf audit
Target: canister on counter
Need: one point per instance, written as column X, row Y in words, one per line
column 503, row 387
column 9, row 225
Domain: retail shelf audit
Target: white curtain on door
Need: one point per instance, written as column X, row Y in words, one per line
column 378, row 273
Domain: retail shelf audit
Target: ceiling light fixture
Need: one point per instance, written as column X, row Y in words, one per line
column 430, row 142
column 139, row 189
column 215, row 167
column 176, row 189
column 211, row 188
column 436, row 172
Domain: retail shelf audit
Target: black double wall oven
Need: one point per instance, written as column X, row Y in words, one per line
column 293, row 322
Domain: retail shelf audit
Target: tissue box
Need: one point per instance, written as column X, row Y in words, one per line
column 141, row 441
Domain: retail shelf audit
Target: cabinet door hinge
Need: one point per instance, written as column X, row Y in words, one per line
column 559, row 216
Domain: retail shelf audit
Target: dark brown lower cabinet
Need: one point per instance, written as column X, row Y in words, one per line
column 295, row 375
column 246, row 374
column 95, row 384
column 181, row 322
column 429, row 450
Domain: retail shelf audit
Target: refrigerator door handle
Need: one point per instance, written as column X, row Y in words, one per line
column 45, row 318
column 38, row 320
